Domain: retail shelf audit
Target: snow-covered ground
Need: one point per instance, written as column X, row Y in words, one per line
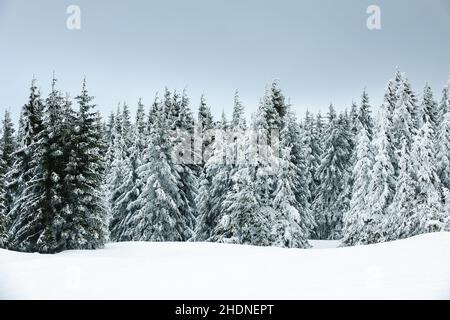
column 408, row 269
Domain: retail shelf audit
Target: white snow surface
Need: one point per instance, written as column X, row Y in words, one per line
column 415, row 268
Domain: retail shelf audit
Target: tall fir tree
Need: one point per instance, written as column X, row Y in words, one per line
column 293, row 219
column 443, row 151
column 428, row 110
column 444, row 105
column 402, row 204
column 215, row 183
column 404, row 117
column 8, row 147
column 333, row 174
column 26, row 216
column 427, row 213
column 353, row 218
column 205, row 130
column 87, row 228
column 381, row 183
column 244, row 220
column 364, row 115
column 52, row 167
column 156, row 214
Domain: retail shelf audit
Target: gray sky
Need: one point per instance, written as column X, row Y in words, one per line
column 320, row 50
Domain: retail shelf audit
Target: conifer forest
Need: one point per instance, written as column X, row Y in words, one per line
column 166, row 170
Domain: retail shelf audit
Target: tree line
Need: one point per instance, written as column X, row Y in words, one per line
column 71, row 180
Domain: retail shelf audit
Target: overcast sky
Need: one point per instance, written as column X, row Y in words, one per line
column 321, row 50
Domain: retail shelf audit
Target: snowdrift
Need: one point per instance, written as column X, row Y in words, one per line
column 416, row 268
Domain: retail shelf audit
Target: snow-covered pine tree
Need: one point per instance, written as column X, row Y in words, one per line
column 279, row 104
column 156, row 215
column 187, row 137
column 346, row 194
column 354, row 119
column 404, row 117
column 52, row 167
column 264, row 152
column 215, row 183
column 115, row 179
column 293, row 219
column 205, row 127
column 110, row 137
column 353, row 218
column 124, row 185
column 110, row 126
column 381, row 181
column 427, row 213
column 8, row 145
column 227, row 226
column 88, row 227
column 126, row 127
column 237, row 134
column 181, row 134
column 152, row 113
column 333, row 174
column 244, row 220
column 238, row 119
column 443, row 151
column 124, row 205
column 26, row 216
column 364, row 115
column 391, row 91
column 386, row 112
column 428, row 109
column 313, row 153
column 444, row 105
column 402, row 204
column 140, row 127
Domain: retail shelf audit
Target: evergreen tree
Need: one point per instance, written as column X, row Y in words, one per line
column 244, row 221
column 404, row 118
column 26, row 216
column 403, row 202
column 115, row 180
column 381, row 184
column 444, row 105
column 124, row 205
column 205, row 128
column 428, row 109
column 354, row 118
column 443, row 151
column 182, row 142
column 427, row 214
column 353, row 218
column 333, row 174
column 52, row 171
column 156, row 214
column 293, row 219
column 238, row 120
column 87, row 226
column 8, row 147
column 140, row 128
column 215, row 183
column 110, row 136
column 278, row 101
column 364, row 117
column 313, row 150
